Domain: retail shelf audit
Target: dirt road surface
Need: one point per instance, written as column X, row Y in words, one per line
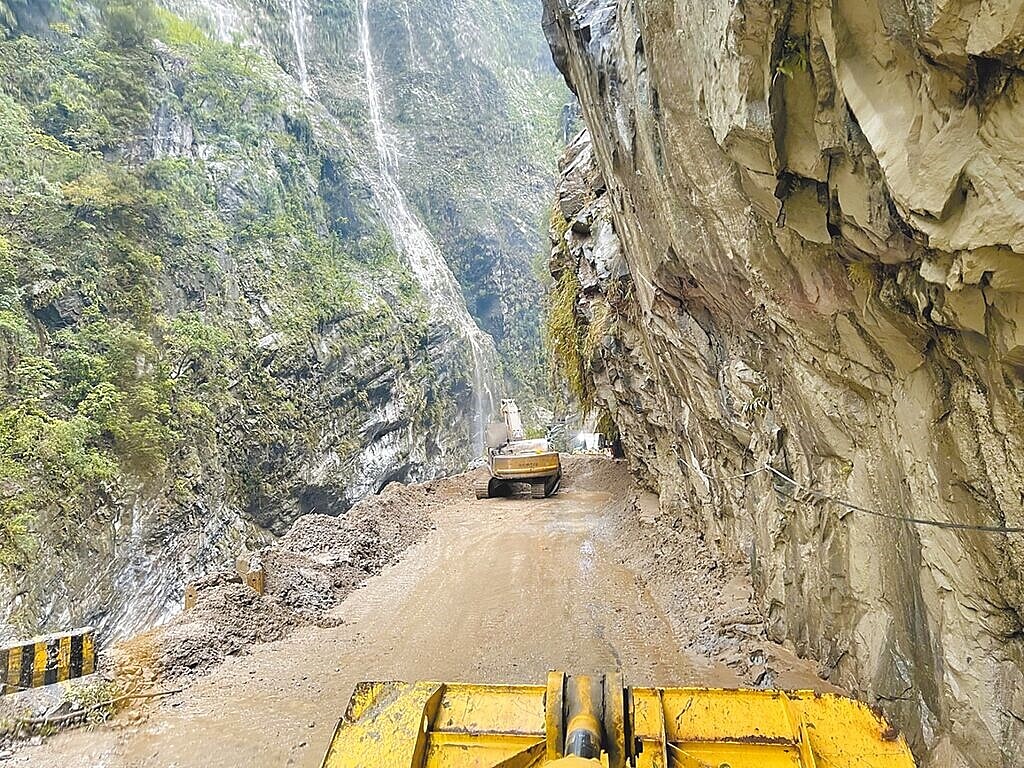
column 498, row 591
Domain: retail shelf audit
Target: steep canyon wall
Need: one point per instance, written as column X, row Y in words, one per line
column 794, row 238
column 212, row 313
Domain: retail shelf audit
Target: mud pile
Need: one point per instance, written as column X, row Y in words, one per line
column 708, row 597
column 590, row 472
column 321, row 559
column 308, row 572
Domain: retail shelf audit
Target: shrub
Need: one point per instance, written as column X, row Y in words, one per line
column 567, row 335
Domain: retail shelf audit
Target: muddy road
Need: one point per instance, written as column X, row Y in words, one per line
column 498, row 591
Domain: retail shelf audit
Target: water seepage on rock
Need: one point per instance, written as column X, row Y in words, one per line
column 820, row 210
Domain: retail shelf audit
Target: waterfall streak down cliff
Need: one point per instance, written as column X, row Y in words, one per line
column 297, row 26
column 252, row 317
column 447, row 304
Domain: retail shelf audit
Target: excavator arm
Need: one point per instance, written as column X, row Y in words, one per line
column 513, row 420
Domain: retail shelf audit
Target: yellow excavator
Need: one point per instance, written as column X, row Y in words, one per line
column 596, row 722
column 512, row 458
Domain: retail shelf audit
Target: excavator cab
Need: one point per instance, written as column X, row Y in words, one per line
column 512, row 458
column 594, row 721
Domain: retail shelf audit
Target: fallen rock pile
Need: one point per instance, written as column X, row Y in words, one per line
column 308, row 572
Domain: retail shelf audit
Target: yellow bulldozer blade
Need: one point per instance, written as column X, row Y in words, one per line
column 595, row 721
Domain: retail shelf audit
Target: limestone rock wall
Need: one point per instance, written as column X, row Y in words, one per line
column 802, row 224
column 473, row 106
column 275, row 357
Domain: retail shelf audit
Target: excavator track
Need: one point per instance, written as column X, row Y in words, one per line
column 491, row 488
column 552, row 485
column 482, row 488
column 546, row 488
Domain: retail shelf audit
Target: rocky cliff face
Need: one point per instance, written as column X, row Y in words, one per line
column 217, row 310
column 796, row 242
column 476, row 105
column 471, row 110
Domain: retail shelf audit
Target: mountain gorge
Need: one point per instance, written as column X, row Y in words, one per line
column 241, row 283
column 261, row 258
column 789, row 261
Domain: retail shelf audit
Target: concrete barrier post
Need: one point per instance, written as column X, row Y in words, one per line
column 47, row 660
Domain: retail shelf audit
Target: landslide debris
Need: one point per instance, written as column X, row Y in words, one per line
column 308, row 572
column 706, row 593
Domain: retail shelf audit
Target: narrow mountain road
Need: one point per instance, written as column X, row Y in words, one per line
column 500, row 591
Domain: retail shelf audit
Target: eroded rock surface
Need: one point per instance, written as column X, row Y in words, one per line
column 802, row 223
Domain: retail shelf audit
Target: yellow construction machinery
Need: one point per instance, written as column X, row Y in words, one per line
column 584, row 721
column 511, row 458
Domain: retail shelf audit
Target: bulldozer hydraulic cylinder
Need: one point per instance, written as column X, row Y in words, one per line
column 584, row 701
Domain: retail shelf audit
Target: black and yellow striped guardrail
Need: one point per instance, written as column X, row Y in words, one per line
column 47, row 660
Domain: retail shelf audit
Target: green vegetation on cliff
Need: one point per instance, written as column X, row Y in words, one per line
column 169, row 271
column 568, row 335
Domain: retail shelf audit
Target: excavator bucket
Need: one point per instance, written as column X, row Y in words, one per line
column 587, row 721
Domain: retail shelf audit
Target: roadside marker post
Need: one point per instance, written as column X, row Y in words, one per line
column 248, row 572
column 252, row 574
column 47, row 660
